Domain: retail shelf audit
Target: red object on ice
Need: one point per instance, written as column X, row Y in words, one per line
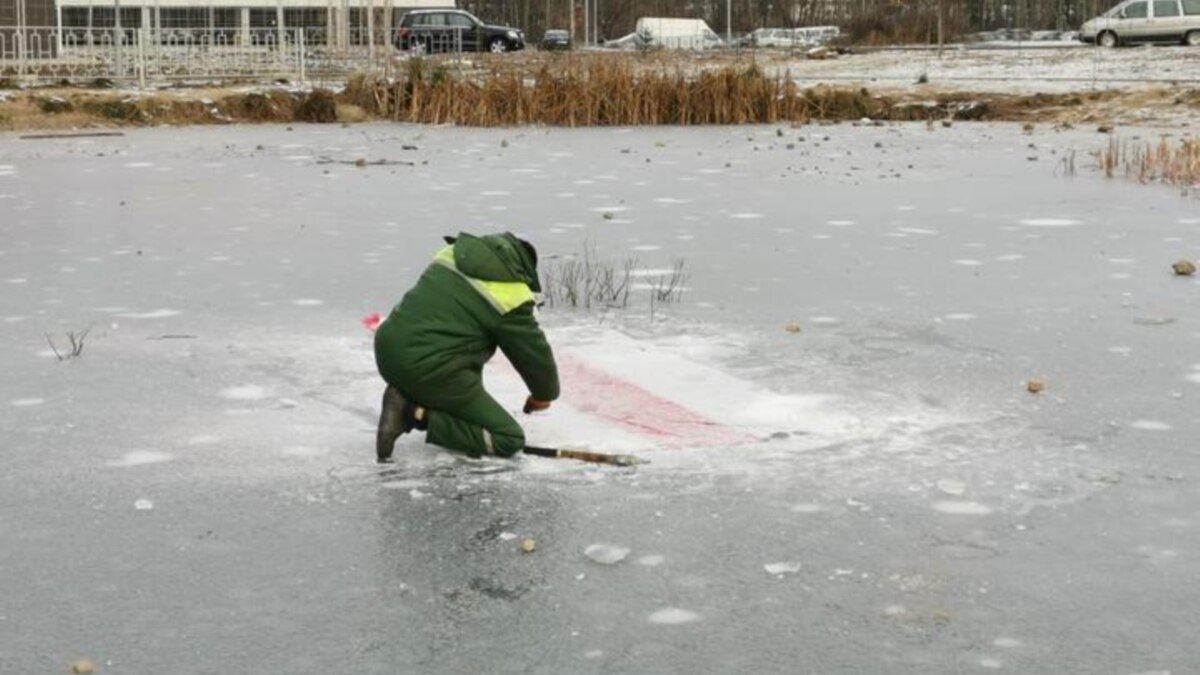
column 371, row 321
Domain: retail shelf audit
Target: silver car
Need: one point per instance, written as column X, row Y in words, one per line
column 1172, row 21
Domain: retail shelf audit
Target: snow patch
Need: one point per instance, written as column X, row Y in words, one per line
column 26, row 402
column 673, row 616
column 955, row 508
column 782, row 568
column 1150, row 425
column 247, row 392
column 606, row 554
column 140, row 458
column 301, row 451
column 156, row 314
column 1050, row 222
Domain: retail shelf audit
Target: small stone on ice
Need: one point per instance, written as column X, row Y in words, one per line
column 1184, row 268
column 606, row 554
column 528, row 546
column 143, row 505
column 792, row 328
column 1035, row 386
column 82, row 667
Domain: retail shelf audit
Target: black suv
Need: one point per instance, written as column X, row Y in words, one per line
column 426, row 31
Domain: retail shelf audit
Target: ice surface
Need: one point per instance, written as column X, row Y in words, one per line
column 891, row 445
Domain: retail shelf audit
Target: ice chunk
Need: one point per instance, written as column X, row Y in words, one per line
column 606, row 554
column 143, row 505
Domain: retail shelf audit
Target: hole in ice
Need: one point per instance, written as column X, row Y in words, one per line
column 746, row 216
column 653, row 560
column 1150, row 425
column 307, row 302
column 673, row 616
column 609, row 209
column 140, row 457
column 916, row 230
column 26, row 402
column 840, row 223
column 671, row 200
column 966, row 262
column 18, row 280
column 959, row 317
column 647, row 247
column 1009, row 257
column 495, row 193
column 138, row 165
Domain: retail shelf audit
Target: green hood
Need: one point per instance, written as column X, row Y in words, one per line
column 496, row 257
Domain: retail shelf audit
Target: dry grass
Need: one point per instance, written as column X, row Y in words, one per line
column 610, row 91
column 571, row 90
column 1162, row 162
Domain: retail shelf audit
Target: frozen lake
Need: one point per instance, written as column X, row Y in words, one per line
column 876, row 492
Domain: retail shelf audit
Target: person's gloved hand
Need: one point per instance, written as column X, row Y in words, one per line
column 534, row 405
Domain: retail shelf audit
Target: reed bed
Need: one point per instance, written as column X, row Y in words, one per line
column 606, row 92
column 1162, row 162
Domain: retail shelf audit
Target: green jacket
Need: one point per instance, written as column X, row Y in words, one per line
column 477, row 295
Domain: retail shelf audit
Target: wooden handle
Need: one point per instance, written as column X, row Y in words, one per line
column 584, row 456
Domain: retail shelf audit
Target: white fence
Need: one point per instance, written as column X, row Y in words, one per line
column 145, row 55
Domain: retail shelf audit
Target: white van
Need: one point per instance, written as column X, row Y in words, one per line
column 815, row 36
column 677, row 33
column 1131, row 21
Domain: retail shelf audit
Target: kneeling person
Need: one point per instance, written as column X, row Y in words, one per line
column 476, row 295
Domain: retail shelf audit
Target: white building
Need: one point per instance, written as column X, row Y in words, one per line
column 324, row 21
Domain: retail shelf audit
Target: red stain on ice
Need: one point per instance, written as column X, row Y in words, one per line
column 618, row 400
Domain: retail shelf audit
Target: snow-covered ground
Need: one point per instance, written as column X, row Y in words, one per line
column 1015, row 68
column 876, row 492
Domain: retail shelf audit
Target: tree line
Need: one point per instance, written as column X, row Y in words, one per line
column 871, row 21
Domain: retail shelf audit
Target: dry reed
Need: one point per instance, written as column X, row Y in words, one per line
column 612, row 91
column 1161, row 162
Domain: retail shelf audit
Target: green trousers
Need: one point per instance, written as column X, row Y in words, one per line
column 471, row 422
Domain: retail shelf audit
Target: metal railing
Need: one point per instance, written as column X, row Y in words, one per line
column 144, row 55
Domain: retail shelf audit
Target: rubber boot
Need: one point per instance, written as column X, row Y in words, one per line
column 392, row 424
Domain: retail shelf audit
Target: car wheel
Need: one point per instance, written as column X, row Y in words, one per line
column 1192, row 39
column 1107, row 39
column 498, row 46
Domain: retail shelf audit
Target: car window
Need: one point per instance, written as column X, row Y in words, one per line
column 458, row 21
column 1191, row 7
column 1135, row 10
column 1166, row 8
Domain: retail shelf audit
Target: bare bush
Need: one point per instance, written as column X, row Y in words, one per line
column 586, row 281
column 74, row 347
